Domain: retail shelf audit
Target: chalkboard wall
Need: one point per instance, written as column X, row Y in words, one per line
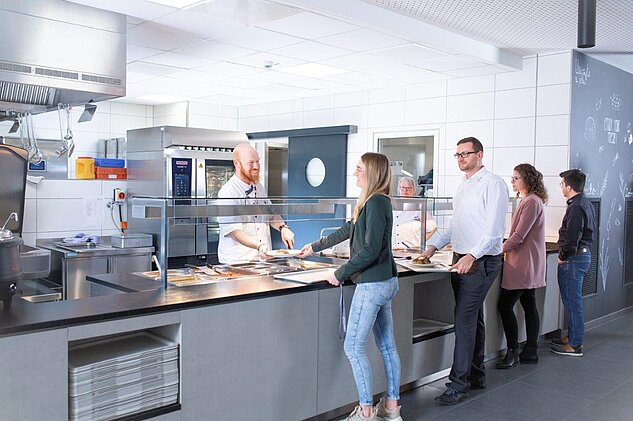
column 601, row 145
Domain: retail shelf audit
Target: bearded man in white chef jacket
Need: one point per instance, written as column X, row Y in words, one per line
column 246, row 238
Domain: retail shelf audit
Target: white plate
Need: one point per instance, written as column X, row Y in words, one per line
column 282, row 253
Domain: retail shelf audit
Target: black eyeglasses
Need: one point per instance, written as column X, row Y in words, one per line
column 463, row 155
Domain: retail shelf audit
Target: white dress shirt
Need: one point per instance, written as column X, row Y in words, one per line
column 407, row 228
column 255, row 226
column 479, row 216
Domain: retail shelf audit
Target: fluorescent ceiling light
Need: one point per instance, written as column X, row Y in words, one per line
column 161, row 99
column 180, row 4
column 314, row 70
column 407, row 173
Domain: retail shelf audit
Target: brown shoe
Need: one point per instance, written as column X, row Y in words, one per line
column 567, row 350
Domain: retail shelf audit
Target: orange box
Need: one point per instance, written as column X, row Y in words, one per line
column 106, row 173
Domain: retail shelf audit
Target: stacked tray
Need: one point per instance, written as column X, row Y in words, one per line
column 119, row 376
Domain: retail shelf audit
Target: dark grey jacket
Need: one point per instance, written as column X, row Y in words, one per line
column 371, row 259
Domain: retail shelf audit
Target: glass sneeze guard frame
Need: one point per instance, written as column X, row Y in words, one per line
column 203, row 211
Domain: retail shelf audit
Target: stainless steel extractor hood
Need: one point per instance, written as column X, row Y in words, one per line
column 55, row 52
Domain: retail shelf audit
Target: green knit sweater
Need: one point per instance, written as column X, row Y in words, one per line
column 371, row 259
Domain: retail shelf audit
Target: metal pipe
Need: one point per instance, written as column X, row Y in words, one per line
column 586, row 23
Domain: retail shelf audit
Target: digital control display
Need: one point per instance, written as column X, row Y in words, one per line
column 181, row 170
column 40, row 166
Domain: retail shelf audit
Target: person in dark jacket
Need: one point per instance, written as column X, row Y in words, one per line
column 574, row 258
column 372, row 268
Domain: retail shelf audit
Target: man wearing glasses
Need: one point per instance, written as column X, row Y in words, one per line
column 476, row 233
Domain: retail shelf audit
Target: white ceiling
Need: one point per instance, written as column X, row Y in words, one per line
column 216, row 52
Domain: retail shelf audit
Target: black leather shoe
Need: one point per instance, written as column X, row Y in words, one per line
column 528, row 355
column 451, row 397
column 510, row 360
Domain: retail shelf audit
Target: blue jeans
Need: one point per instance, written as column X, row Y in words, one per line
column 371, row 309
column 570, row 276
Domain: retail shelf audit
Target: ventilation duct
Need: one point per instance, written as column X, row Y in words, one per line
column 56, row 52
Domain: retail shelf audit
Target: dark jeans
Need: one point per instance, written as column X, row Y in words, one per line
column 507, row 300
column 570, row 276
column 470, row 332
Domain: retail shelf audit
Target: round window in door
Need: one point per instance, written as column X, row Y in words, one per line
column 315, row 172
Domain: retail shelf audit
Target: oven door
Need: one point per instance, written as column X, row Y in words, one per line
column 211, row 175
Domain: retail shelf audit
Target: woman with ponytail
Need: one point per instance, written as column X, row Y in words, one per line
column 372, row 268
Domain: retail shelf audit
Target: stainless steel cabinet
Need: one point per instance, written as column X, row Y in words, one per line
column 128, row 264
column 74, row 275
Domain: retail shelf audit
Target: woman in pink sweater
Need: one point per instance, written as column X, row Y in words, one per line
column 524, row 265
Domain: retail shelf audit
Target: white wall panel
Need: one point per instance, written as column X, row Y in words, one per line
column 387, row 115
column 515, row 103
column 524, row 78
column 318, row 118
column 426, row 90
column 351, row 115
column 553, row 99
column 514, row 132
column 470, row 107
column 421, row 111
column 551, row 160
column 471, row 85
column 505, row 159
column 350, row 99
column 390, row 94
column 554, row 69
column 482, row 130
column 552, row 130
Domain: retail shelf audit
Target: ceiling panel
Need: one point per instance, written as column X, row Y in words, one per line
column 258, row 39
column 362, row 40
column 179, row 60
column 142, row 9
column 136, row 52
column 214, row 50
column 151, row 69
column 311, row 51
column 309, row 25
column 201, row 26
column 244, row 12
column 257, row 60
column 153, row 35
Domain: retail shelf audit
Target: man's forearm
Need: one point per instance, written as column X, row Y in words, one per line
column 244, row 239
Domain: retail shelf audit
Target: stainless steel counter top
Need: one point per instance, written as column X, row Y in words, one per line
column 102, row 249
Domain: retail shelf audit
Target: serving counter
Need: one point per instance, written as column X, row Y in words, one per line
column 248, row 348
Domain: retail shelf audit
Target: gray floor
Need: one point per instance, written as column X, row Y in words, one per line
column 597, row 386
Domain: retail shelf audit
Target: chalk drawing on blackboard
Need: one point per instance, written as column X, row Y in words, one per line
column 616, row 101
column 582, row 74
column 616, row 125
column 604, row 262
column 599, row 104
column 620, row 256
column 628, row 137
column 601, row 148
column 611, row 137
column 608, row 124
column 590, row 129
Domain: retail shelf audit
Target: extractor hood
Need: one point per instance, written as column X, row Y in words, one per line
column 55, row 52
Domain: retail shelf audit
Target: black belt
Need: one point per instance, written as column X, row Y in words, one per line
column 582, row 250
column 484, row 257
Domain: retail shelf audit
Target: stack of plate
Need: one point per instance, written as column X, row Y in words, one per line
column 123, row 375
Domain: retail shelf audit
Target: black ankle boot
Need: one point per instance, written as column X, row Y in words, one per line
column 510, row 360
column 528, row 355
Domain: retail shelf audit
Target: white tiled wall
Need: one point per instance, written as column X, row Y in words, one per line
column 520, row 116
column 57, row 208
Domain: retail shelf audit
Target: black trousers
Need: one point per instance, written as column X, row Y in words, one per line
column 470, row 291
column 507, row 300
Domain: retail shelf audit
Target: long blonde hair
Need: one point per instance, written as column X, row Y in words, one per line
column 377, row 179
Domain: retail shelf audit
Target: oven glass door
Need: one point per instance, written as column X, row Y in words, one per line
column 217, row 173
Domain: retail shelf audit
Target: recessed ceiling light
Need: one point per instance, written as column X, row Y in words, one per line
column 314, row 70
column 161, row 99
column 180, row 4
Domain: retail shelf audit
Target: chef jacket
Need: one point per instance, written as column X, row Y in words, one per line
column 406, row 227
column 255, row 226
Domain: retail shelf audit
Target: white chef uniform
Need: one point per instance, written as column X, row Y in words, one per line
column 255, row 226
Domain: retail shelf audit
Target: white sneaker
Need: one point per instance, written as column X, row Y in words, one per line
column 385, row 414
column 357, row 415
